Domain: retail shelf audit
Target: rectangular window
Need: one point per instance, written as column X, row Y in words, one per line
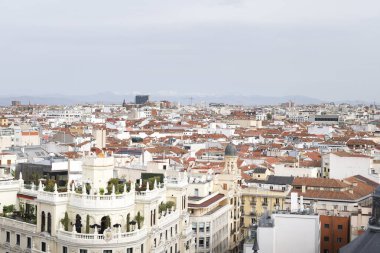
column 201, row 227
column 142, row 248
column 130, row 250
column 339, row 239
column 201, row 242
column 207, row 226
column 29, row 242
column 8, row 237
column 340, row 227
column 43, row 246
column 82, row 251
column 18, row 239
column 64, row 249
column 107, row 251
column 326, row 238
column 327, row 225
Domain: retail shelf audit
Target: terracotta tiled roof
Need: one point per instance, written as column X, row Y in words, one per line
column 319, row 182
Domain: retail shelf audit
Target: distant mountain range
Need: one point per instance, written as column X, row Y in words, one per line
column 111, row 98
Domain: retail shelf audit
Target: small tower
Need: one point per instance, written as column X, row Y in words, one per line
column 230, row 160
column 124, row 103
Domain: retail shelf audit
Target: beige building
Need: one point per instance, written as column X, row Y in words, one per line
column 214, row 206
column 259, row 196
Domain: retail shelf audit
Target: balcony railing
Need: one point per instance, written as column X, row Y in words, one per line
column 14, row 224
column 115, row 237
column 151, row 194
column 52, row 197
column 102, row 201
column 168, row 218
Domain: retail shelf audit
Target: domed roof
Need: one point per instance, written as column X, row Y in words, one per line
column 230, row 150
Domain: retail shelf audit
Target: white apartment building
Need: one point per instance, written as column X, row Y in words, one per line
column 209, row 215
column 289, row 233
column 285, row 232
column 295, row 170
column 339, row 165
column 126, row 219
column 63, row 116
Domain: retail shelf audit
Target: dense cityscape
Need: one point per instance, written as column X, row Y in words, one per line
column 159, row 176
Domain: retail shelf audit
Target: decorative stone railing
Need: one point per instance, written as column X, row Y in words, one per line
column 102, row 201
column 169, row 217
column 176, row 182
column 10, row 185
column 52, row 196
column 150, row 194
column 112, row 237
column 15, row 224
column 82, row 200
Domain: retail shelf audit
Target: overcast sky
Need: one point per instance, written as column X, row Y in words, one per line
column 327, row 49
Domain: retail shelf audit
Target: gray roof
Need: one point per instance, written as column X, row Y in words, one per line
column 280, row 180
column 275, row 180
column 259, row 170
column 369, row 242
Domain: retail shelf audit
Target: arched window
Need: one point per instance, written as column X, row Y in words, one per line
column 49, row 223
column 105, row 223
column 42, row 221
column 78, row 223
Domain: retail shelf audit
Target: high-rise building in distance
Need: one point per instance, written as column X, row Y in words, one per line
column 141, row 99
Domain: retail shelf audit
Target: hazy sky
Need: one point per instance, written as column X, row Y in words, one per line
column 328, row 49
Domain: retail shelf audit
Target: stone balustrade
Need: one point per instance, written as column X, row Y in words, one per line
column 19, row 225
column 102, row 201
column 165, row 220
column 150, row 194
column 114, row 237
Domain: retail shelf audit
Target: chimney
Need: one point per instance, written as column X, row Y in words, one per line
column 294, row 202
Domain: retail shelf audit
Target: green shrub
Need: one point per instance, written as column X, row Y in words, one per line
column 65, row 222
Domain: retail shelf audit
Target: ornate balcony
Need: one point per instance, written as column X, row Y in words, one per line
column 102, row 239
column 149, row 195
column 170, row 217
column 112, row 201
column 14, row 224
